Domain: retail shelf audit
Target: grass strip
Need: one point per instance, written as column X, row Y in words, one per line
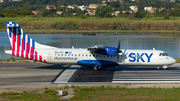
column 121, row 94
column 94, row 23
column 48, row 95
column 103, row 93
column 55, row 31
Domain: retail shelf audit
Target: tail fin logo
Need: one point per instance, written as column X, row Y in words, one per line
column 22, row 45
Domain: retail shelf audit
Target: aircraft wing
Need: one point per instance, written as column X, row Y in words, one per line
column 103, row 50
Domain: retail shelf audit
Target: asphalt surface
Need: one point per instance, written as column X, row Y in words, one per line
column 14, row 76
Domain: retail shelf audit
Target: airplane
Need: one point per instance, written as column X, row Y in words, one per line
column 96, row 57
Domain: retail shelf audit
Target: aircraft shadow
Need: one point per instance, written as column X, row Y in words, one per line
column 117, row 68
column 148, row 68
column 52, row 67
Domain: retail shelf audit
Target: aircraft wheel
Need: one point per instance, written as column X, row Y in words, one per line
column 164, row 67
column 96, row 68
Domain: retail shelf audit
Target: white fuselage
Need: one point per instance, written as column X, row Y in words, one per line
column 127, row 57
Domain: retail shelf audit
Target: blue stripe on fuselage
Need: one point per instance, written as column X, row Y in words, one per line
column 91, row 63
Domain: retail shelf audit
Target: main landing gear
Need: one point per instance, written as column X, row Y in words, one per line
column 96, row 68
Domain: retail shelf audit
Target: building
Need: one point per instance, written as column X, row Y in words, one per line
column 134, row 8
column 90, row 12
column 103, row 4
column 116, row 13
column 70, row 7
column 93, row 6
column 59, row 12
column 1, row 1
column 173, row 8
column 112, row 0
column 35, row 12
column 160, row 9
column 50, row 7
column 75, row 6
column 127, row 11
column 148, row 9
column 61, row 6
column 121, row 1
column 16, row 0
column 82, row 7
column 153, row 10
column 172, row 1
column 104, row 1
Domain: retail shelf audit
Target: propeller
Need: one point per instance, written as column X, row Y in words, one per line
column 118, row 51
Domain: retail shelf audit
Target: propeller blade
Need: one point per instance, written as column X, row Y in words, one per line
column 118, row 45
column 118, row 51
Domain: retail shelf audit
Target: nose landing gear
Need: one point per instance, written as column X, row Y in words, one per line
column 164, row 67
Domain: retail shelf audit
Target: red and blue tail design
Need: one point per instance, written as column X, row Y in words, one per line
column 22, row 45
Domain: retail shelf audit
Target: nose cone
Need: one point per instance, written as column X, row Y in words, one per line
column 173, row 60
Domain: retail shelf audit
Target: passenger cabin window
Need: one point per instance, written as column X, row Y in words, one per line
column 163, row 54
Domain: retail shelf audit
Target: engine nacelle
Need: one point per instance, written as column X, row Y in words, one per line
column 107, row 51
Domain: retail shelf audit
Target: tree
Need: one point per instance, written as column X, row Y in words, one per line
column 108, row 15
column 78, row 13
column 175, row 12
column 45, row 13
column 140, row 14
column 101, row 11
column 11, row 13
column 115, row 4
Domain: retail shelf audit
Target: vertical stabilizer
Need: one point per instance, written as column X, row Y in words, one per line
column 22, row 45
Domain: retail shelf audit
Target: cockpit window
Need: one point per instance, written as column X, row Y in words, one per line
column 166, row 54
column 163, row 54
